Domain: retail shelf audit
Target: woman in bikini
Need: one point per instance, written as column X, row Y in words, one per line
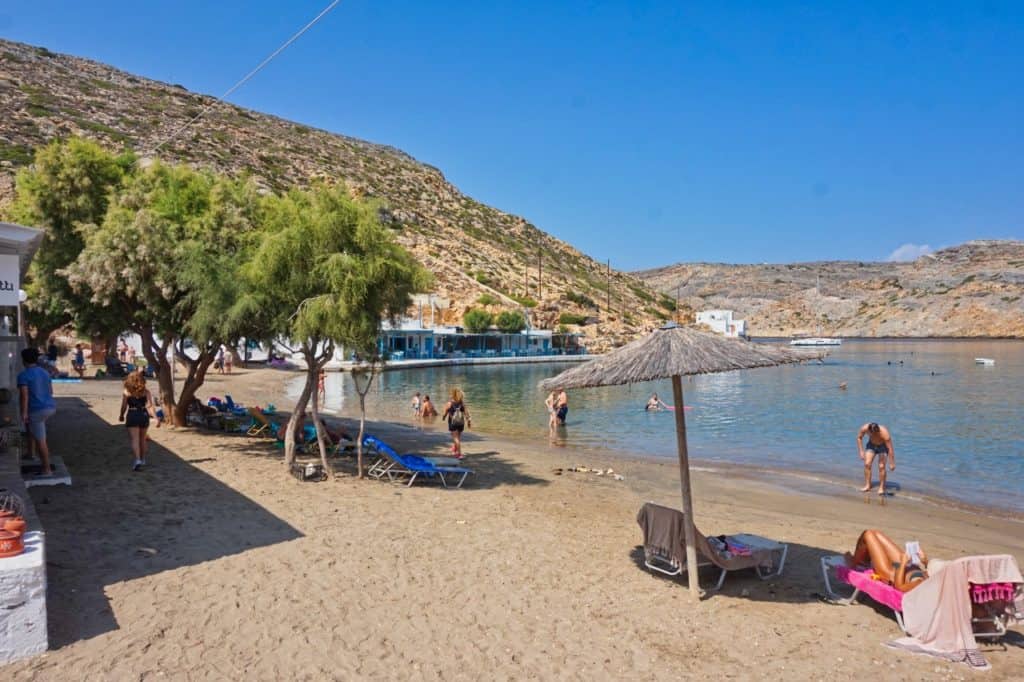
column 136, row 409
column 887, row 560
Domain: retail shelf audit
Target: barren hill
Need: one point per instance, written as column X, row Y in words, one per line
column 471, row 248
column 975, row 289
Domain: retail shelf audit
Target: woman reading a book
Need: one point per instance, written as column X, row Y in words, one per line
column 902, row 569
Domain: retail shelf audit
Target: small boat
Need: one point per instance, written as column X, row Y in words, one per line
column 984, row 361
column 816, row 341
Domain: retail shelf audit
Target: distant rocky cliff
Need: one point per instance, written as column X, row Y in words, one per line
column 975, row 289
column 473, row 250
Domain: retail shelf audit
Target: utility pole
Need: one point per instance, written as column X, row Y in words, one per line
column 526, row 280
column 608, row 301
column 675, row 315
column 540, row 272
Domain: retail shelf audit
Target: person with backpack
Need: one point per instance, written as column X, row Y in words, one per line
column 458, row 419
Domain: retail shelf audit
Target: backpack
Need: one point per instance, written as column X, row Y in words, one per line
column 458, row 419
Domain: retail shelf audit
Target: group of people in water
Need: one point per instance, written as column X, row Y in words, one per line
column 557, row 403
column 454, row 412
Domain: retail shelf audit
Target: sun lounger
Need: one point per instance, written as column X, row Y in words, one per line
column 394, row 466
column 261, row 425
column 665, row 547
column 860, row 579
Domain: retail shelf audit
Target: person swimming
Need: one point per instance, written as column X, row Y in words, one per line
column 655, row 403
column 888, row 561
column 428, row 410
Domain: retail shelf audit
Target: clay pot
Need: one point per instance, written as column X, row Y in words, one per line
column 15, row 525
column 10, row 544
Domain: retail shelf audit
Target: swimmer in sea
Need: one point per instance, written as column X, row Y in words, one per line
column 655, row 403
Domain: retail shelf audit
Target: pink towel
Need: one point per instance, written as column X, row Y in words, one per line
column 880, row 591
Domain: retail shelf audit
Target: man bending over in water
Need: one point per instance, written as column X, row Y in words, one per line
column 880, row 444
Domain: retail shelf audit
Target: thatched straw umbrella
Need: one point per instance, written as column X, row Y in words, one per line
column 673, row 351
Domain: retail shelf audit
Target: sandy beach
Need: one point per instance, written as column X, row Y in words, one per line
column 215, row 564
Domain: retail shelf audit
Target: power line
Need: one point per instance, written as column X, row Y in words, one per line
column 248, row 76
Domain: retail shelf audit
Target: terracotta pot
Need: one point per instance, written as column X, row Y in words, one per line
column 15, row 525
column 10, row 544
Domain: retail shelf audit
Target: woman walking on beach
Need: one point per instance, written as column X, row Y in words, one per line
column 458, row 419
column 136, row 409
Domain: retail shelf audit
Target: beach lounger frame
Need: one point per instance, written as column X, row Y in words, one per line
column 837, row 560
column 656, row 561
column 395, row 466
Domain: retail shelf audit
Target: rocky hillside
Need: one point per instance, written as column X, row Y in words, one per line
column 473, row 250
column 975, row 289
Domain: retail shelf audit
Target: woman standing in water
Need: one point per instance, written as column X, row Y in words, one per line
column 458, row 419
column 136, row 409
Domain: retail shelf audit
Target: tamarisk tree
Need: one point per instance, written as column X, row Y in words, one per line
column 166, row 260
column 325, row 273
column 66, row 192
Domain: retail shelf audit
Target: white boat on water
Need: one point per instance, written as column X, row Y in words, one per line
column 984, row 361
column 816, row 341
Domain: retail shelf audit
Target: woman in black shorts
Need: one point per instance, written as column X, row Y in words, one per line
column 136, row 409
column 458, row 419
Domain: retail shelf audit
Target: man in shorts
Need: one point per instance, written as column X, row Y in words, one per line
column 879, row 444
column 37, row 404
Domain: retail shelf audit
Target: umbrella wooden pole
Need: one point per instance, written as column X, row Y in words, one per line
column 684, row 483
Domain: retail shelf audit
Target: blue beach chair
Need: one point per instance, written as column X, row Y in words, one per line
column 394, row 465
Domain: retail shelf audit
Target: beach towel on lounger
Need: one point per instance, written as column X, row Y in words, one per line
column 937, row 613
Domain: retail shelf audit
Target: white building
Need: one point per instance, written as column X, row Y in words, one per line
column 722, row 322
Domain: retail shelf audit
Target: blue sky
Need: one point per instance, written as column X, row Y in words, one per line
column 645, row 132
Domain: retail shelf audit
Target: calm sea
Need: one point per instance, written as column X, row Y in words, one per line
column 958, row 427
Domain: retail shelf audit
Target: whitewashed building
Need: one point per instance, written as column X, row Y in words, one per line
column 723, row 322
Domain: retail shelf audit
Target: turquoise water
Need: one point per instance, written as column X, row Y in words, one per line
column 957, row 426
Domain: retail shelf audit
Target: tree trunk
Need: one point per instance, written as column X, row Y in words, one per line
column 361, row 392
column 156, row 355
column 194, row 380
column 313, row 378
column 300, row 405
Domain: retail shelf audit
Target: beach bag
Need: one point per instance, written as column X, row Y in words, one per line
column 458, row 420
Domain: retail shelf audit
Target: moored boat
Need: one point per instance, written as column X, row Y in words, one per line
column 816, row 341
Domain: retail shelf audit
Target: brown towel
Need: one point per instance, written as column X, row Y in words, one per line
column 664, row 532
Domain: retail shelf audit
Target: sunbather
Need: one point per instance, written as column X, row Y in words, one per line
column 888, row 561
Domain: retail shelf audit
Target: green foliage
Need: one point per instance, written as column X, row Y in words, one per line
column 488, row 299
column 641, row 293
column 510, row 321
column 16, row 154
column 327, row 270
column 656, row 313
column 667, row 303
column 477, row 321
column 524, row 301
column 580, row 299
column 66, row 193
column 570, row 318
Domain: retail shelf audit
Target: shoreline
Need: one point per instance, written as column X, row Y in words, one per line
column 812, row 481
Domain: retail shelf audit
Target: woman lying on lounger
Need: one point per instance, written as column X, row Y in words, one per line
column 887, row 560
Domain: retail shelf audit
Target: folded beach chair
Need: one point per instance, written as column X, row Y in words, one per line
column 394, row 465
column 260, row 426
column 996, row 599
column 665, row 547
